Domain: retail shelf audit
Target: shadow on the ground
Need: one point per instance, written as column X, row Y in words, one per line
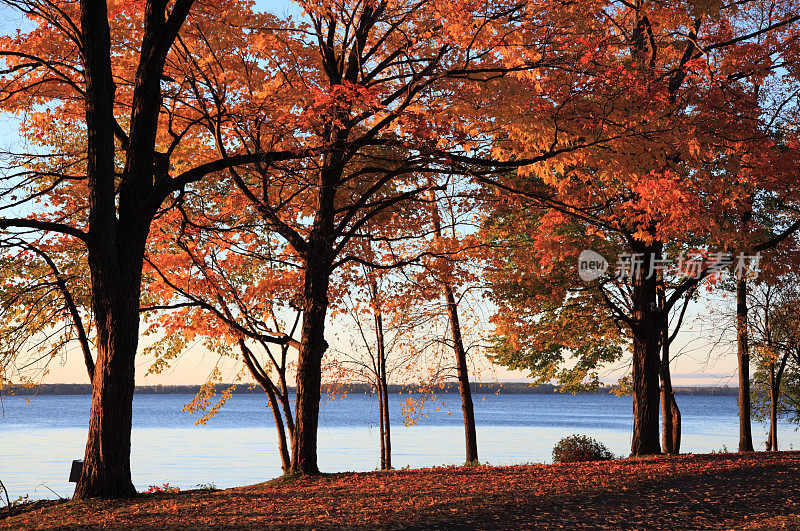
column 751, row 496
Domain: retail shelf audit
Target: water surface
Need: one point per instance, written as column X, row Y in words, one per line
column 39, row 438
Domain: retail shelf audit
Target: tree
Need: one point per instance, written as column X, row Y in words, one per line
column 767, row 216
column 564, row 327
column 101, row 74
column 447, row 273
column 233, row 292
column 773, row 334
column 379, row 353
column 674, row 84
column 365, row 91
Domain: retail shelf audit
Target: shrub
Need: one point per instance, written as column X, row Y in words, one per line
column 155, row 489
column 576, row 448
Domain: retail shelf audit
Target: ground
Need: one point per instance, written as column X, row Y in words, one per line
column 717, row 491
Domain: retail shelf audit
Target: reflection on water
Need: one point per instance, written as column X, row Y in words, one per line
column 238, row 447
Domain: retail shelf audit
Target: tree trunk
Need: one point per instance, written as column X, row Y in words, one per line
column 283, row 447
column 309, row 368
column 646, row 356
column 670, row 423
column 743, row 355
column 382, row 436
column 287, row 408
column 106, row 464
column 463, row 376
column 115, row 301
column 380, row 369
column 258, row 373
column 670, row 414
column 121, row 210
column 676, row 425
column 462, row 370
column 383, row 388
column 772, row 444
column 387, row 435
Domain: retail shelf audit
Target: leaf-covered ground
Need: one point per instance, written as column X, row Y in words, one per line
column 719, row 491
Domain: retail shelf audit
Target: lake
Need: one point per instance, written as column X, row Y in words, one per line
column 39, row 438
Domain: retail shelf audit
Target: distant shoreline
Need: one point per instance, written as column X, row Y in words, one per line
column 509, row 388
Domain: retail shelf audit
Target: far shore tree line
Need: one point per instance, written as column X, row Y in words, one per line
column 212, row 173
column 446, row 388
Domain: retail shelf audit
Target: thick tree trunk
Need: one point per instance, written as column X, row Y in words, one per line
column 106, row 464
column 115, row 280
column 646, row 395
column 115, row 301
column 309, row 368
column 120, row 213
column 646, row 357
column 743, row 355
column 463, row 376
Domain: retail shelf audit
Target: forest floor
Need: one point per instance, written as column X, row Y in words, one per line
column 717, row 491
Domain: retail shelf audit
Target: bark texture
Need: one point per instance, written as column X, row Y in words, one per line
column 309, row 368
column 743, row 359
column 646, row 355
column 119, row 221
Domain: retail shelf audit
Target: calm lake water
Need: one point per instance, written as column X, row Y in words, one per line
column 40, row 438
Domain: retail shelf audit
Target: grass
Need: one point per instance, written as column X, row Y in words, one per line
column 716, row 491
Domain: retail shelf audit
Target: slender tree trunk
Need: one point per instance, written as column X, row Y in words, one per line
column 667, row 417
column 670, row 414
column 387, row 435
column 383, row 388
column 287, row 409
column 381, row 377
column 462, row 370
column 283, row 447
column 671, row 427
column 676, row 425
column 463, row 376
column 261, row 376
column 743, row 355
column 309, row 367
column 774, row 390
column 646, row 356
column 381, row 415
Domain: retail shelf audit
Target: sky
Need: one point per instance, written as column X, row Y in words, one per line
column 699, row 358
